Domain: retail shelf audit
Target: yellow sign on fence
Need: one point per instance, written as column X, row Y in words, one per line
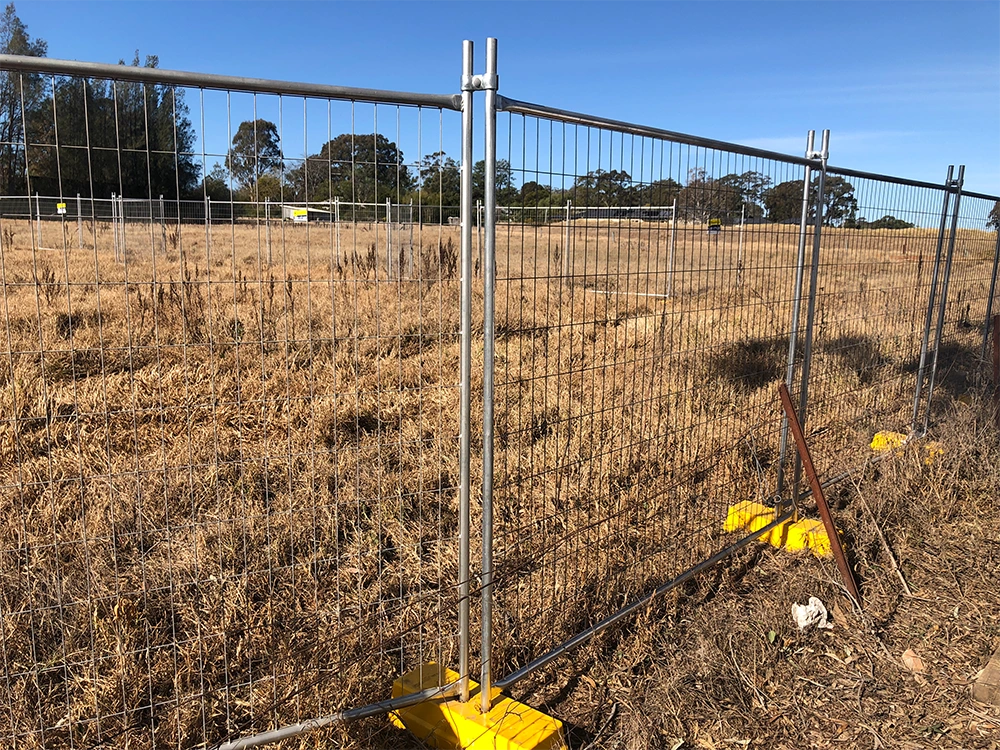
column 60, row 208
column 300, row 214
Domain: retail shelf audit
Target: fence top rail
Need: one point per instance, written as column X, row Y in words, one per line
column 984, row 196
column 507, row 104
column 845, row 172
column 26, row 64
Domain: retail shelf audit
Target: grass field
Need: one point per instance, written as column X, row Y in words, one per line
column 229, row 474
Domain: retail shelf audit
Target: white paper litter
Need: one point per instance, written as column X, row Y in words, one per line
column 813, row 613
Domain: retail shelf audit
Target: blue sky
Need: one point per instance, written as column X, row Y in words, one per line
column 905, row 87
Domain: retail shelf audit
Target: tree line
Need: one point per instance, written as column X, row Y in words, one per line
column 137, row 140
column 369, row 168
column 113, row 137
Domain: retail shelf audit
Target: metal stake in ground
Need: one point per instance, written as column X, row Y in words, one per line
column 817, row 492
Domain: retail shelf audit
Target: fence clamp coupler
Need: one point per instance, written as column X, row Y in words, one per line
column 484, row 82
column 820, row 156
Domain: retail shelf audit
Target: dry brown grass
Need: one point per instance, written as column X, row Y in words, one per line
column 721, row 663
column 229, row 485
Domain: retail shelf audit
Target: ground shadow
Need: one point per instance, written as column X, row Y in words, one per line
column 750, row 365
column 959, row 368
column 862, row 355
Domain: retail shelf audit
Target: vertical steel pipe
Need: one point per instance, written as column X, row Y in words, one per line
column 336, row 219
column 807, row 345
column 996, row 369
column 990, row 297
column 79, row 222
column 121, row 215
column 565, row 269
column 489, row 326
column 944, row 296
column 114, row 224
column 918, row 388
column 800, row 265
column 267, row 227
column 670, row 259
column 813, row 281
column 466, row 372
column 739, row 254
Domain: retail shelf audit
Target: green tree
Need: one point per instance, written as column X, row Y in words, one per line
column 268, row 186
column 216, row 184
column 506, row 192
column 356, row 168
column 603, row 188
column 994, row 219
column 725, row 198
column 839, row 203
column 659, row 193
column 744, row 192
column 783, row 202
column 440, row 190
column 134, row 139
column 533, row 194
column 256, row 152
column 886, row 222
column 14, row 40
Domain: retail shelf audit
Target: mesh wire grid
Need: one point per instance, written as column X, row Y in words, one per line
column 230, row 437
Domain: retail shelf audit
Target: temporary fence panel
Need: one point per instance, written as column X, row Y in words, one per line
column 242, row 398
column 637, row 362
column 962, row 351
column 880, row 258
column 230, row 495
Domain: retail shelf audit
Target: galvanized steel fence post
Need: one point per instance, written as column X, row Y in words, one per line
column 673, row 244
column 823, row 156
column 991, row 296
column 491, row 84
column 208, row 224
column 925, row 339
column 336, row 219
column 944, row 295
column 819, row 217
column 267, row 230
column 800, row 264
column 114, row 226
column 465, row 377
column 565, row 268
column 388, row 238
column 79, row 220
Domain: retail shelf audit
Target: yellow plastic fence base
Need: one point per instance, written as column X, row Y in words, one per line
column 888, row 441
column 896, row 441
column 795, row 536
column 509, row 725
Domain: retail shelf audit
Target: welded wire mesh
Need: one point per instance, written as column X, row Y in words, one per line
column 230, row 439
column 876, row 281
column 879, row 247
column 637, row 365
column 963, row 331
column 231, row 384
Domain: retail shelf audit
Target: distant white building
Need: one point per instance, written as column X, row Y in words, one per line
column 300, row 212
